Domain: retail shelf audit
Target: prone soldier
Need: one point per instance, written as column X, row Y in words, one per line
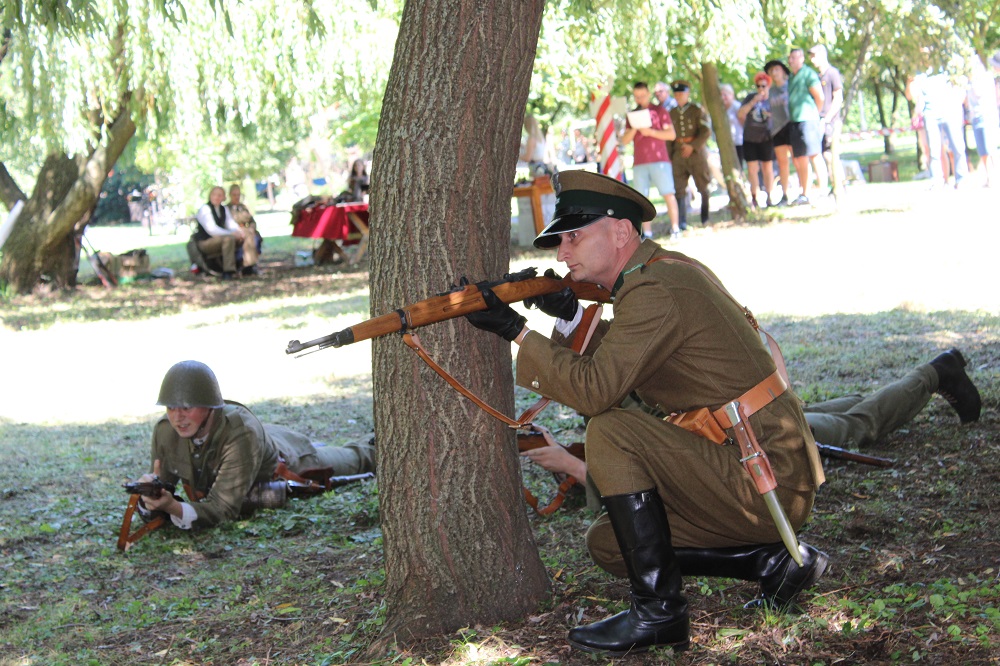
column 225, row 457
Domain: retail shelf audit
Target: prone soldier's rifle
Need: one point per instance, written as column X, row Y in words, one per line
column 311, row 482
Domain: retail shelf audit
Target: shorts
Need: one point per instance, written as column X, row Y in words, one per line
column 986, row 140
column 661, row 174
column 783, row 137
column 807, row 138
column 758, row 152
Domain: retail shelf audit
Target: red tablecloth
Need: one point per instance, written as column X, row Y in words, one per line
column 331, row 222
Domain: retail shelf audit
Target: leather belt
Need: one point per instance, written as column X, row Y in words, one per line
column 755, row 399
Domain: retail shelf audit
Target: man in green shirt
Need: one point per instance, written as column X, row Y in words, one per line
column 805, row 99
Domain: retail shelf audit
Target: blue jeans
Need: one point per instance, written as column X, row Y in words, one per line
column 952, row 131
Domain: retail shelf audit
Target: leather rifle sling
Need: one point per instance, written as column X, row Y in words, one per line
column 125, row 537
column 581, row 338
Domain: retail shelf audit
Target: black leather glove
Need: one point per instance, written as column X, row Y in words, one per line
column 561, row 304
column 498, row 318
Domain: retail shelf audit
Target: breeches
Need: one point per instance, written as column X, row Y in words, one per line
column 709, row 497
column 355, row 458
column 695, row 166
column 854, row 421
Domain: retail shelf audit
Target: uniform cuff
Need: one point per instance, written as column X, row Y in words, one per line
column 188, row 516
column 565, row 327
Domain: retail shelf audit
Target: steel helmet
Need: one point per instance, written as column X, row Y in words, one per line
column 190, row 384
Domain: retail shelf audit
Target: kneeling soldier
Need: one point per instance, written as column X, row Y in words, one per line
column 676, row 503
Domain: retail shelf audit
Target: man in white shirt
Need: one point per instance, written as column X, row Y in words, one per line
column 218, row 233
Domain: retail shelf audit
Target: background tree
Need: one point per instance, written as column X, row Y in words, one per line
column 458, row 548
column 78, row 80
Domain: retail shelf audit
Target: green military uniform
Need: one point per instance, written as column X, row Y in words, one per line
column 239, row 452
column 854, row 421
column 679, row 344
column 693, row 128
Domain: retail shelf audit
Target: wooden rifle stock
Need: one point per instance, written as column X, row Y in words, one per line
column 457, row 303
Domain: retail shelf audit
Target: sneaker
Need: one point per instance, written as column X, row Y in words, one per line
column 956, row 387
column 675, row 235
column 251, row 270
column 782, row 202
column 768, row 204
column 228, row 275
column 802, row 200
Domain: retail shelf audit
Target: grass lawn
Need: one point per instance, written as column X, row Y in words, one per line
column 856, row 294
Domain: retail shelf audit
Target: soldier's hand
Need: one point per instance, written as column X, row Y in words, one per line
column 498, row 317
column 558, row 460
column 561, row 304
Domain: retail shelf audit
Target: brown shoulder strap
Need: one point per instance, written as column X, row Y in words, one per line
column 581, row 338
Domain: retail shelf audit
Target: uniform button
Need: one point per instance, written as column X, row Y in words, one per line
column 534, row 384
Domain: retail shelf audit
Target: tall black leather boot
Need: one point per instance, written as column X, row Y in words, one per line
column 658, row 614
column 781, row 579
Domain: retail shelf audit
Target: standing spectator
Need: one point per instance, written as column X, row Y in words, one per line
column 688, row 152
column 565, row 148
column 981, row 98
column 651, row 162
column 940, row 102
column 758, row 148
column 781, row 128
column 735, row 126
column 534, row 147
column 358, row 182
column 581, row 148
column 662, row 94
column 833, row 103
column 805, row 99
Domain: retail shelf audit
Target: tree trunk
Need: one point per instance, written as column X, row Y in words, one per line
column 732, row 170
column 857, row 72
column 458, row 546
column 882, row 119
column 43, row 240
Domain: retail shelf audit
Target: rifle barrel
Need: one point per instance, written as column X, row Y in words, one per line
column 451, row 305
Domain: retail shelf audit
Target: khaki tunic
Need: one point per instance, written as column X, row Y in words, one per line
column 239, row 452
column 691, row 122
column 678, row 343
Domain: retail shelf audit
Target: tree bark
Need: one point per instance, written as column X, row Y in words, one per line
column 43, row 240
column 882, row 119
column 732, row 170
column 857, row 72
column 458, row 545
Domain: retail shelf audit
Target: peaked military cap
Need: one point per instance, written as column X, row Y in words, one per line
column 680, row 85
column 583, row 197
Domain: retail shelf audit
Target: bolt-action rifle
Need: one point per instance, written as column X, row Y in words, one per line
column 458, row 302
column 136, row 489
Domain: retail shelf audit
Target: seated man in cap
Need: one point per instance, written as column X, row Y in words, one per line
column 676, row 503
column 224, row 455
column 688, row 152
